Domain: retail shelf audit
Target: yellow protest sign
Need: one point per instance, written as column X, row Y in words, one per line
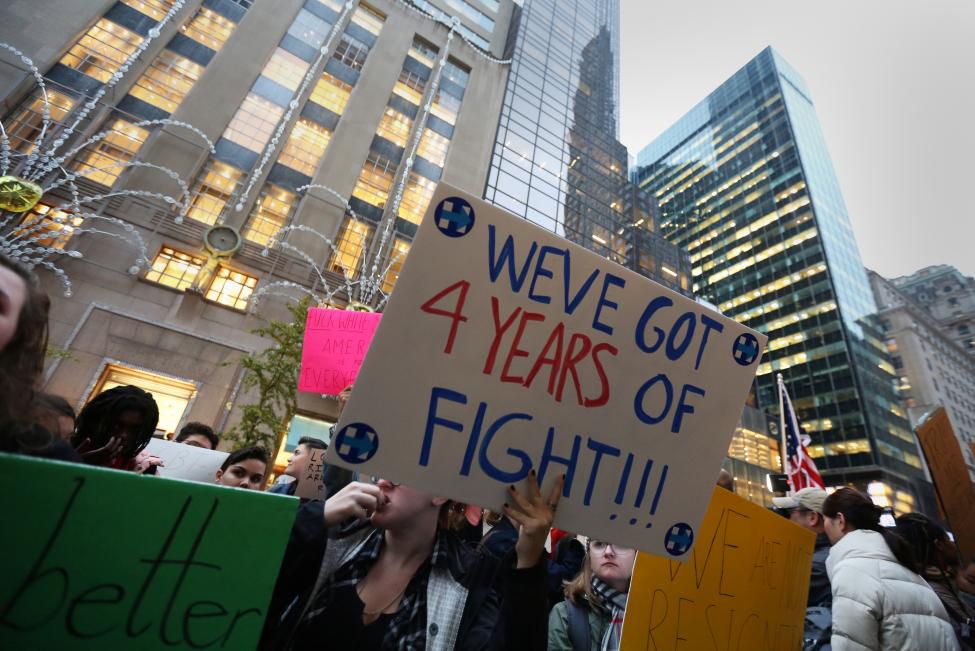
column 743, row 588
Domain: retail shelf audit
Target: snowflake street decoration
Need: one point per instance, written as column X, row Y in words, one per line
column 38, row 240
column 26, row 177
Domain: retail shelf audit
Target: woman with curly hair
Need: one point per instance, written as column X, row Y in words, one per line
column 115, row 427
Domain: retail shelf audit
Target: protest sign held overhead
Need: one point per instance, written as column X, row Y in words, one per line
column 335, row 344
column 743, row 588
column 114, row 560
column 952, row 483
column 186, row 461
column 505, row 348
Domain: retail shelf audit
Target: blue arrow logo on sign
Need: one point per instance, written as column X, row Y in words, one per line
column 454, row 217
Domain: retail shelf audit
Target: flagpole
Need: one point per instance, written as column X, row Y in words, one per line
column 782, row 445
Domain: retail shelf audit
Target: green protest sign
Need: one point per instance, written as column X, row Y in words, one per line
column 102, row 559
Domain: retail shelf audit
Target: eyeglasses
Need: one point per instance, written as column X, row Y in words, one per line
column 601, row 547
column 375, row 480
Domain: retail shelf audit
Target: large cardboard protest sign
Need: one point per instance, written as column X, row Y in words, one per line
column 942, row 452
column 186, row 461
column 335, row 344
column 743, row 588
column 103, row 559
column 506, row 348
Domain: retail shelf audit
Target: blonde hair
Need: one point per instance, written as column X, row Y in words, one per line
column 579, row 590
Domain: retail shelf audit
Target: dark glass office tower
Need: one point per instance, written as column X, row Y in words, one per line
column 557, row 161
column 745, row 184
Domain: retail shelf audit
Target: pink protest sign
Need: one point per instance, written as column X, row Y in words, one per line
column 335, row 344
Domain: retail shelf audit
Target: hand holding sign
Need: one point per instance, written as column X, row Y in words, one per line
column 506, row 349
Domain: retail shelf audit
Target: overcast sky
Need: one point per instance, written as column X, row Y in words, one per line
column 893, row 82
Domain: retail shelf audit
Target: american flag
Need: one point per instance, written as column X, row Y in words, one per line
column 799, row 466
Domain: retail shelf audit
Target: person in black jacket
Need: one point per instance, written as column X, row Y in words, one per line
column 378, row 567
column 805, row 508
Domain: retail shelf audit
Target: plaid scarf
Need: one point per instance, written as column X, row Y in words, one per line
column 611, row 603
column 407, row 630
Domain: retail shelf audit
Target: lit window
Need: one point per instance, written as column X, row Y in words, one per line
column 305, row 146
column 174, row 268
column 375, row 181
column 349, row 247
column 209, row 28
column 351, row 52
column 153, row 8
column 285, row 68
column 396, row 258
column 214, row 192
column 395, row 127
column 446, row 107
column 102, row 50
column 409, row 87
column 309, row 28
column 270, row 214
column 167, row 81
column 172, row 396
column 331, row 93
column 423, row 52
column 368, row 19
column 27, row 123
column 457, row 74
column 416, row 198
column 433, row 147
column 254, row 123
column 231, row 288
column 48, row 227
column 103, row 161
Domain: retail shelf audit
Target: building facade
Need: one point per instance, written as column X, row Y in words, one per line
column 331, row 123
column 933, row 368
column 948, row 297
column 557, row 161
column 745, row 184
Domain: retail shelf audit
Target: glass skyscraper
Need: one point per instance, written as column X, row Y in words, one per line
column 557, row 161
column 744, row 183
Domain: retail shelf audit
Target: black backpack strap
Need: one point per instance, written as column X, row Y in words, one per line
column 578, row 617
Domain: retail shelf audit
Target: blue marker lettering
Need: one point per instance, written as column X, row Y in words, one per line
column 569, row 463
column 641, row 327
column 495, row 264
column 688, row 319
column 660, row 490
column 709, row 325
column 638, row 401
column 544, row 273
column 433, row 420
column 571, row 305
column 600, row 449
column 492, row 470
column 608, row 279
column 621, row 490
column 683, row 407
column 465, row 468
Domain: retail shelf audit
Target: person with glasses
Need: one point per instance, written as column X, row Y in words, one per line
column 805, row 508
column 392, row 574
column 591, row 617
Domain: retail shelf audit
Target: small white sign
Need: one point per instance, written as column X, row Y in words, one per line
column 506, row 348
column 186, row 461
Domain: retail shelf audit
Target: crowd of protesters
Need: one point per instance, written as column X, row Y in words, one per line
column 380, row 565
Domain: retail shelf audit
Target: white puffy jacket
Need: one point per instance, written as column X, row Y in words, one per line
column 878, row 604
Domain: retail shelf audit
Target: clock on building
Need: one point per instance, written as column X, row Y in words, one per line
column 222, row 240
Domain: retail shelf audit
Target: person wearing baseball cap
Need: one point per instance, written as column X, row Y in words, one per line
column 805, row 508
